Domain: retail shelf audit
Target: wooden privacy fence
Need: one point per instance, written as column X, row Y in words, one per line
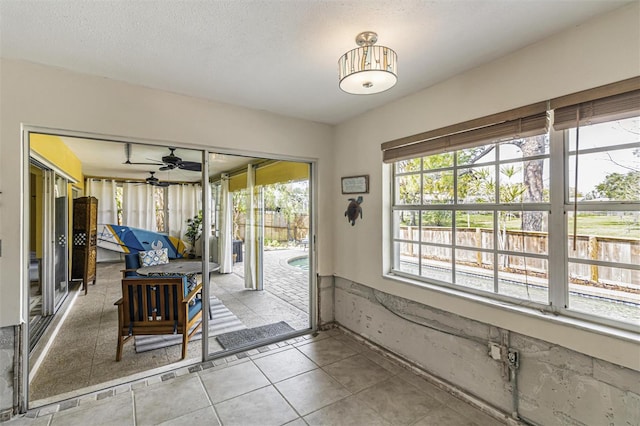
column 588, row 247
column 607, row 249
column 276, row 227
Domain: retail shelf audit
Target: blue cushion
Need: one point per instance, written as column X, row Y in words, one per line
column 131, row 261
column 195, row 308
column 185, row 285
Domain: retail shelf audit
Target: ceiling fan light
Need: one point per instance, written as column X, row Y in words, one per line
column 368, row 69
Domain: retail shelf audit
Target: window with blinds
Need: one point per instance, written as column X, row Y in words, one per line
column 489, row 206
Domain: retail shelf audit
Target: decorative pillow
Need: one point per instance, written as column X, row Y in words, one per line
column 154, row 257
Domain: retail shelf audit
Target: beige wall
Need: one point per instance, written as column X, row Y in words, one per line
column 36, row 95
column 601, row 51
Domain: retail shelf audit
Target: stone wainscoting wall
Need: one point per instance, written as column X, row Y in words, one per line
column 326, row 301
column 552, row 384
column 7, row 373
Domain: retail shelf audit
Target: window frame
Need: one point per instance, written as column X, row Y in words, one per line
column 454, row 207
column 567, row 205
column 557, row 206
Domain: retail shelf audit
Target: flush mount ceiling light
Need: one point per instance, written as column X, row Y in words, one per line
column 368, row 69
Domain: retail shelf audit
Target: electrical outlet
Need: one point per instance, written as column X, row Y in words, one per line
column 513, row 358
column 494, row 351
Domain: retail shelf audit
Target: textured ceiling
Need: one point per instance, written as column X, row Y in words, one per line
column 279, row 55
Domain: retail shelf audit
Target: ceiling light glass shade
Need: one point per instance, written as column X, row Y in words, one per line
column 368, row 69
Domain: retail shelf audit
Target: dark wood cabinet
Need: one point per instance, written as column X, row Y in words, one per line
column 85, row 239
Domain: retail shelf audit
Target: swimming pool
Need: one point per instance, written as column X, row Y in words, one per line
column 300, row 262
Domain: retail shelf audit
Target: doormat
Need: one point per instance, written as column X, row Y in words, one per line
column 240, row 338
column 222, row 321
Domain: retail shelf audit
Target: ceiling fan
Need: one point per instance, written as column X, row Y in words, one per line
column 154, row 181
column 172, row 161
column 169, row 162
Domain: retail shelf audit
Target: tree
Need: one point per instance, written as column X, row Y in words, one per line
column 620, row 187
column 533, row 173
column 511, row 191
column 239, row 209
column 533, row 183
column 477, row 184
column 292, row 201
column 408, row 193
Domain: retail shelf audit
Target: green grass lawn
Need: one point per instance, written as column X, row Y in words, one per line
column 626, row 226
column 608, row 226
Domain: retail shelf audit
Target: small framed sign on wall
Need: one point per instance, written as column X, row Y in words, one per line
column 355, row 184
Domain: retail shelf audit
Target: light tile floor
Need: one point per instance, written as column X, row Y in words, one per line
column 326, row 379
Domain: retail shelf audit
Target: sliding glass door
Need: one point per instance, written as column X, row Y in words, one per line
column 259, row 237
column 49, row 253
column 261, row 226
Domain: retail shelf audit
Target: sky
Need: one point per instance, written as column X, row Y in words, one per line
column 594, row 167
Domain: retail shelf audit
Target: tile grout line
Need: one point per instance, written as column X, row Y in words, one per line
column 133, row 406
column 229, row 362
column 280, row 393
column 212, row 405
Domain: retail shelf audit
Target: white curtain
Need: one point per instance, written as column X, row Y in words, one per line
column 225, row 240
column 183, row 202
column 138, row 207
column 105, row 191
column 250, row 234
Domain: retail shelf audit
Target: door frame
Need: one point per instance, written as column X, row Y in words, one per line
column 258, row 195
column 50, row 173
column 21, row 395
column 49, row 240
